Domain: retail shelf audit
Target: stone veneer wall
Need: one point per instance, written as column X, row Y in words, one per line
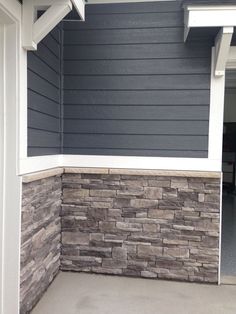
column 41, row 235
column 144, row 226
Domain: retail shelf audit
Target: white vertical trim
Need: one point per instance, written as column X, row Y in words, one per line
column 2, row 142
column 12, row 183
column 220, row 231
column 216, row 116
column 23, row 115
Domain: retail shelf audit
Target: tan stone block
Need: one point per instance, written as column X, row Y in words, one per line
column 161, row 214
column 179, row 183
column 103, row 193
column 201, row 198
column 177, row 252
column 132, row 227
column 77, row 238
column 175, row 242
column 146, row 250
column 183, row 227
column 150, row 228
column 153, row 193
column 143, row 203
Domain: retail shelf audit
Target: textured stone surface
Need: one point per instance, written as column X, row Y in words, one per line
column 140, row 225
column 40, row 239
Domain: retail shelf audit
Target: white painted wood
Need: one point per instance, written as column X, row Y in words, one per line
column 10, row 183
column 23, row 111
column 231, row 62
column 121, row 1
column 12, row 206
column 211, row 16
column 220, row 231
column 155, row 163
column 80, row 8
column 50, row 19
column 216, row 114
column 11, row 8
column 33, row 164
column 2, row 173
column 28, row 19
column 222, row 44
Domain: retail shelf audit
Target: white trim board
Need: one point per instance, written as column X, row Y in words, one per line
column 10, row 207
column 120, row 1
column 35, row 164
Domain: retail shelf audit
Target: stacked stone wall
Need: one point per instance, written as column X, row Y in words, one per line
column 142, row 226
column 40, row 239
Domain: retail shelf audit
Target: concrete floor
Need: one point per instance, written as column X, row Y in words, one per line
column 74, row 293
column 228, row 253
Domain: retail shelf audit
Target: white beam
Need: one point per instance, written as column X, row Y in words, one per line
column 33, row 29
column 222, row 44
column 27, row 22
column 211, row 16
column 80, row 8
column 50, row 19
column 208, row 16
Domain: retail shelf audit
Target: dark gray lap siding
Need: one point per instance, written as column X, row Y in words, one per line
column 44, row 105
column 131, row 85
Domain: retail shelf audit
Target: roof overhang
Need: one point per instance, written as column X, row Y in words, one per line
column 213, row 16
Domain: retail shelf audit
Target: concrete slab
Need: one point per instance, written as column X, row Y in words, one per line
column 77, row 293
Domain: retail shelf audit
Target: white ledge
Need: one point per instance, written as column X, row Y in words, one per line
column 106, row 171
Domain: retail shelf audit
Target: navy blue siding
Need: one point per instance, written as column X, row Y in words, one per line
column 44, row 99
column 131, row 85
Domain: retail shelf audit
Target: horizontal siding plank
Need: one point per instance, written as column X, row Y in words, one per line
column 138, row 97
column 42, row 151
column 137, row 82
column 42, row 138
column 170, row 142
column 147, row 51
column 56, row 33
column 52, row 45
column 38, row 120
column 124, row 36
column 135, row 127
column 141, row 7
column 41, row 86
column 135, row 152
column 37, row 65
column 136, row 67
column 133, row 112
column 132, row 20
column 48, row 57
column 43, row 104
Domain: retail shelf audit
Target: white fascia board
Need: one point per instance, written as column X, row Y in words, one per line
column 210, row 16
column 80, row 8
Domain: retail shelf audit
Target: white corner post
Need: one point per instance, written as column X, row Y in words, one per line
column 10, row 182
column 222, row 45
